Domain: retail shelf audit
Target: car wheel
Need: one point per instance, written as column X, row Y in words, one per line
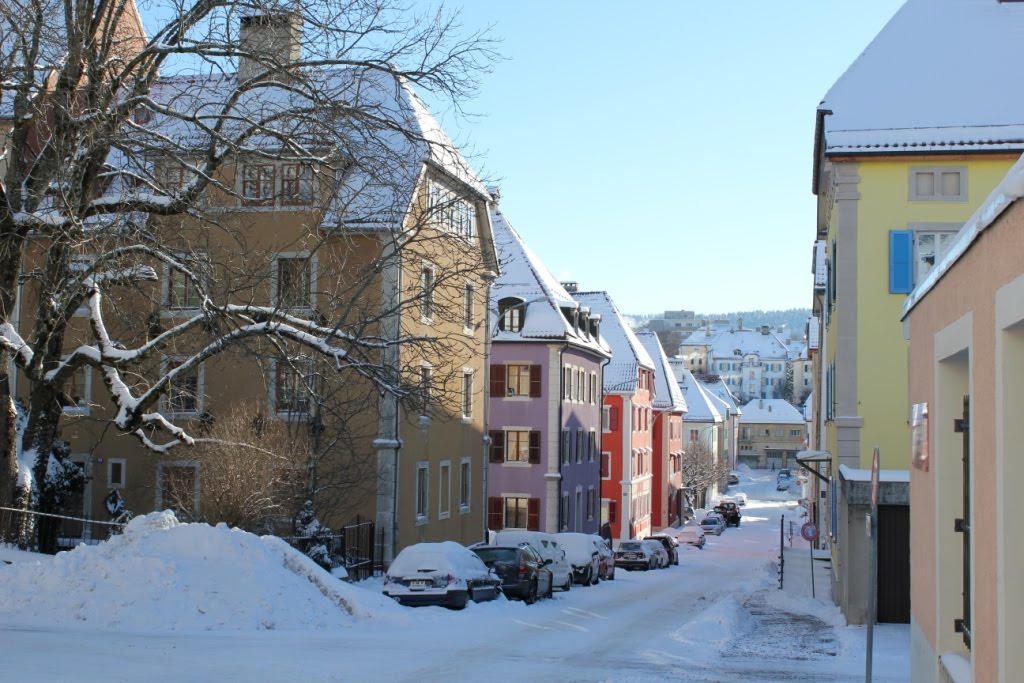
column 611, row 574
column 596, row 577
column 568, row 583
column 650, row 565
column 531, row 596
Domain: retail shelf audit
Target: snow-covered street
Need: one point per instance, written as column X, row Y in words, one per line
column 719, row 616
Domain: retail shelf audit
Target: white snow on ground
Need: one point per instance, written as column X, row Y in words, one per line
column 192, row 602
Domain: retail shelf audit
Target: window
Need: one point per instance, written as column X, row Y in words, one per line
column 938, row 184
column 79, row 389
column 116, row 470
column 465, row 483
column 522, row 446
column 422, row 490
column 591, row 445
column 517, row 513
column 293, row 282
column 593, row 388
column 178, row 489
column 294, row 380
column 563, row 512
column 173, row 177
column 427, row 293
column 296, row 184
column 467, row 394
column 606, row 415
column 606, row 465
column 183, row 393
column 468, row 315
column 258, row 184
column 566, row 446
column 518, row 380
column 913, row 253
column 929, row 246
column 425, row 379
column 444, row 490
column 591, row 503
column 510, row 314
column 579, row 445
column 794, row 432
column 181, row 290
column 450, row 212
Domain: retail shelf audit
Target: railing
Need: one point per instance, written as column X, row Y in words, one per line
column 44, row 532
column 356, row 547
column 782, row 549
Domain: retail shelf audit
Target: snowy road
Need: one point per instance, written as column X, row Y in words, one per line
column 719, row 616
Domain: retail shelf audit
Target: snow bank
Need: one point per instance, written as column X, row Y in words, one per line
column 162, row 575
column 716, row 626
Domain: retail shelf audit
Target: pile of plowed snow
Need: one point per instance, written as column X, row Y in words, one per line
column 164, row 575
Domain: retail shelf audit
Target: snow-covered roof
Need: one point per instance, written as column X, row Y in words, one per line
column 667, row 394
column 628, row 354
column 524, row 276
column 720, row 391
column 1009, row 190
column 771, row 411
column 737, row 343
column 701, row 407
column 797, row 350
column 937, row 77
column 387, row 136
column 851, row 474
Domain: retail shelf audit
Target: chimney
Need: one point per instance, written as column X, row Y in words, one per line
column 571, row 286
column 275, row 37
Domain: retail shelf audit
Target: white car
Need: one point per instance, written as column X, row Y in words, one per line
column 740, row 498
column 691, row 535
column 547, row 545
column 583, row 555
column 443, row 573
column 713, row 524
column 632, row 555
column 662, row 559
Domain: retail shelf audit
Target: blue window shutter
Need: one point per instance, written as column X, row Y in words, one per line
column 901, row 271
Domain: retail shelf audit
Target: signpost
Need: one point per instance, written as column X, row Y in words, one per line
column 873, row 567
column 809, row 531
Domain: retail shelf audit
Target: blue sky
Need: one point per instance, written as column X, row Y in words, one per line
column 662, row 150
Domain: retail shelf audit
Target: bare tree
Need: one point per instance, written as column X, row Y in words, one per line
column 702, row 470
column 119, row 172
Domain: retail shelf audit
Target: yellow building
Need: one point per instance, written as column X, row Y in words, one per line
column 905, row 151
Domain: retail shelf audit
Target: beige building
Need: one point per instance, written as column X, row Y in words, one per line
column 966, row 330
column 772, row 431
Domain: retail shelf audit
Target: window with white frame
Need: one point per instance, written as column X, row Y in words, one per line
column 294, row 381
column 427, row 293
column 517, row 445
column 606, row 418
column 184, row 393
column 258, row 184
column 510, row 314
column 563, row 512
column 182, row 291
column 296, row 184
column 517, row 511
column 467, row 394
column 277, row 184
column 293, row 281
column 929, row 246
column 517, row 379
column 450, row 212
column 468, row 307
column 117, row 472
column 465, row 485
column 938, row 184
column 444, row 489
column 422, row 490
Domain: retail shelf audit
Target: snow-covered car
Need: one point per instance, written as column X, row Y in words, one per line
column 669, row 543
column 733, row 478
column 713, row 524
column 740, row 498
column 583, row 555
column 547, row 545
column 691, row 535
column 607, row 559
column 783, row 484
column 661, row 558
column 444, row 573
column 637, row 555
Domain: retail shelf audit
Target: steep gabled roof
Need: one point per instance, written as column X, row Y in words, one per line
column 720, row 390
column 628, row 354
column 667, row 394
column 701, row 406
column 940, row 76
column 524, row 276
column 770, row 411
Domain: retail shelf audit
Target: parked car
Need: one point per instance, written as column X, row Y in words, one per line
column 632, row 555
column 713, row 524
column 583, row 555
column 524, row 573
column 733, row 478
column 606, row 571
column 669, row 543
column 660, row 554
column 443, row 573
column 785, row 472
column 783, row 484
column 547, row 545
column 730, row 512
column 691, row 535
column 740, row 498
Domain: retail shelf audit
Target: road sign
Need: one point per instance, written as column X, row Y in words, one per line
column 809, row 531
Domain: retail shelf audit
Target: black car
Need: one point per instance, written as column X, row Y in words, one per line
column 524, row 574
column 671, row 546
column 730, row 512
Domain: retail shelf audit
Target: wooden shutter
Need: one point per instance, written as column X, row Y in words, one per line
column 497, row 446
column 495, row 513
column 497, row 380
column 533, row 514
column 534, row 381
column 613, row 419
column 613, row 511
column 901, row 261
column 534, row 448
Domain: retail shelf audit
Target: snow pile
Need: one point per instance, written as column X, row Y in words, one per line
column 716, row 626
column 162, row 575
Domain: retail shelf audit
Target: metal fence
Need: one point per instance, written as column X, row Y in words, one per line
column 356, row 547
column 44, row 532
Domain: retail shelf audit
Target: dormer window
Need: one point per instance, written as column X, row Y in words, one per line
column 451, row 213
column 510, row 314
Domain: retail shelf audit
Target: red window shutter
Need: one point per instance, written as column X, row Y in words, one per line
column 497, row 446
column 613, row 418
column 534, row 448
column 497, row 380
column 495, row 513
column 613, row 511
column 533, row 514
column 534, row 381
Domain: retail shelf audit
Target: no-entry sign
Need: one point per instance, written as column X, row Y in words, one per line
column 809, row 531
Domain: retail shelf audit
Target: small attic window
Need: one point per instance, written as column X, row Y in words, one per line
column 510, row 314
column 572, row 317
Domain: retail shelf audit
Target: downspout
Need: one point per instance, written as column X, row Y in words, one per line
column 600, row 449
column 489, row 278
column 561, row 402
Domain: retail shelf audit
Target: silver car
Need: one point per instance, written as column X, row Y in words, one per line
column 713, row 524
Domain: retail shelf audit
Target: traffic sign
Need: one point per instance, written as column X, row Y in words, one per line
column 809, row 531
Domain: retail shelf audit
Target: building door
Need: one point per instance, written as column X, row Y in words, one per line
column 894, row 564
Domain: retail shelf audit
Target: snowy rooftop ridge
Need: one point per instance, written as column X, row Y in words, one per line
column 701, row 407
column 735, row 344
column 628, row 354
column 967, row 98
column 771, row 411
column 667, row 394
column 1008, row 191
column 524, row 276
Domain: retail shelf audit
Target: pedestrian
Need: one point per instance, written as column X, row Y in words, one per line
column 773, row 467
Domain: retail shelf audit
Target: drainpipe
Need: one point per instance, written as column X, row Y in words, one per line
column 488, row 278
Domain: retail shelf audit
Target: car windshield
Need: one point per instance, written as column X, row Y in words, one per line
column 630, row 546
column 491, row 555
